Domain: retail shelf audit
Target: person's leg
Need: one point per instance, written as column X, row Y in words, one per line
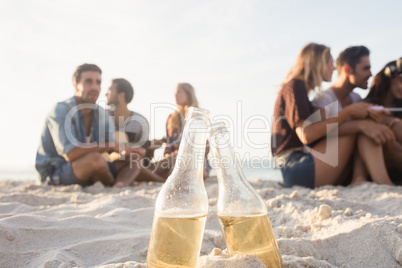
column 92, row 167
column 372, row 156
column 158, row 171
column 64, row 175
column 127, row 171
column 393, row 156
column 164, row 167
column 397, row 129
column 393, row 160
column 325, row 172
column 148, row 175
column 126, row 175
column 360, row 173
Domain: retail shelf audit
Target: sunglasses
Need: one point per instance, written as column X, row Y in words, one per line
column 394, row 69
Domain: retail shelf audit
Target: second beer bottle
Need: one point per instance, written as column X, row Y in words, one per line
column 242, row 214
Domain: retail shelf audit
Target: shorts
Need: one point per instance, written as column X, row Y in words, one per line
column 299, row 169
column 396, row 176
column 64, row 175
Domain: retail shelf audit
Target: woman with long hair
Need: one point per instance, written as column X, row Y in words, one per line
column 160, row 170
column 386, row 90
column 307, row 146
column 185, row 98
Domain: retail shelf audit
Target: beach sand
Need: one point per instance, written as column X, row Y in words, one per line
column 71, row 226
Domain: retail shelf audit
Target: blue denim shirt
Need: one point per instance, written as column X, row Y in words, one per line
column 65, row 129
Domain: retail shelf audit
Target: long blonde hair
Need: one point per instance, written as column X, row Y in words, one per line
column 310, row 65
column 178, row 116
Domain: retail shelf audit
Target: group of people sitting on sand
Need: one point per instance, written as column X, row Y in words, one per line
column 336, row 139
column 82, row 143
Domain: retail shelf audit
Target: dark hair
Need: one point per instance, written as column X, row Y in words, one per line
column 380, row 87
column 123, row 85
column 351, row 56
column 84, row 68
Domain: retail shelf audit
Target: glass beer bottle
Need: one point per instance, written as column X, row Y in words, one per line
column 242, row 214
column 182, row 204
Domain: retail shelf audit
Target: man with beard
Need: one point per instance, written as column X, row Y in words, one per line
column 353, row 66
column 77, row 135
column 132, row 124
column 132, row 128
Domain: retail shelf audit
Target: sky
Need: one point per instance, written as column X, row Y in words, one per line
column 234, row 53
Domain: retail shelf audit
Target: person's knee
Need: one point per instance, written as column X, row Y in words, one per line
column 97, row 163
column 352, row 138
column 135, row 161
column 360, row 136
column 390, row 149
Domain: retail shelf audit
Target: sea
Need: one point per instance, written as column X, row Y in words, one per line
column 29, row 173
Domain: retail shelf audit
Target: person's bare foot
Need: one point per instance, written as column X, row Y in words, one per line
column 119, row 185
column 357, row 181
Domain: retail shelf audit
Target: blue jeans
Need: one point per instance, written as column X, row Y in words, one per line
column 299, row 169
column 64, row 175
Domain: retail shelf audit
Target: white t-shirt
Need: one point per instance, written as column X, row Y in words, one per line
column 327, row 100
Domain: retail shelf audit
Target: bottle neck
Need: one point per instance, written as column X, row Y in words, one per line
column 191, row 155
column 227, row 165
column 236, row 195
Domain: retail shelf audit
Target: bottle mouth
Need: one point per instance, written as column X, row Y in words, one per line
column 197, row 112
column 218, row 126
column 220, row 136
column 198, row 120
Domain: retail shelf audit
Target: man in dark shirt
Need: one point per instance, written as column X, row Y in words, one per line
column 131, row 127
column 132, row 124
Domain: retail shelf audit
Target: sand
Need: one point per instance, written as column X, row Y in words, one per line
column 71, row 226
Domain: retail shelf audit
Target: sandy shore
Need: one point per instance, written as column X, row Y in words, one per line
column 44, row 226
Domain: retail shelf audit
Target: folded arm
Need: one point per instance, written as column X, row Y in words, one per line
column 77, row 152
column 311, row 132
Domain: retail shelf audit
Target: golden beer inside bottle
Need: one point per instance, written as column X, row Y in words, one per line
column 251, row 235
column 175, row 242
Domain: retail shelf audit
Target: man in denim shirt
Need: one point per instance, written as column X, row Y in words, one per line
column 76, row 134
